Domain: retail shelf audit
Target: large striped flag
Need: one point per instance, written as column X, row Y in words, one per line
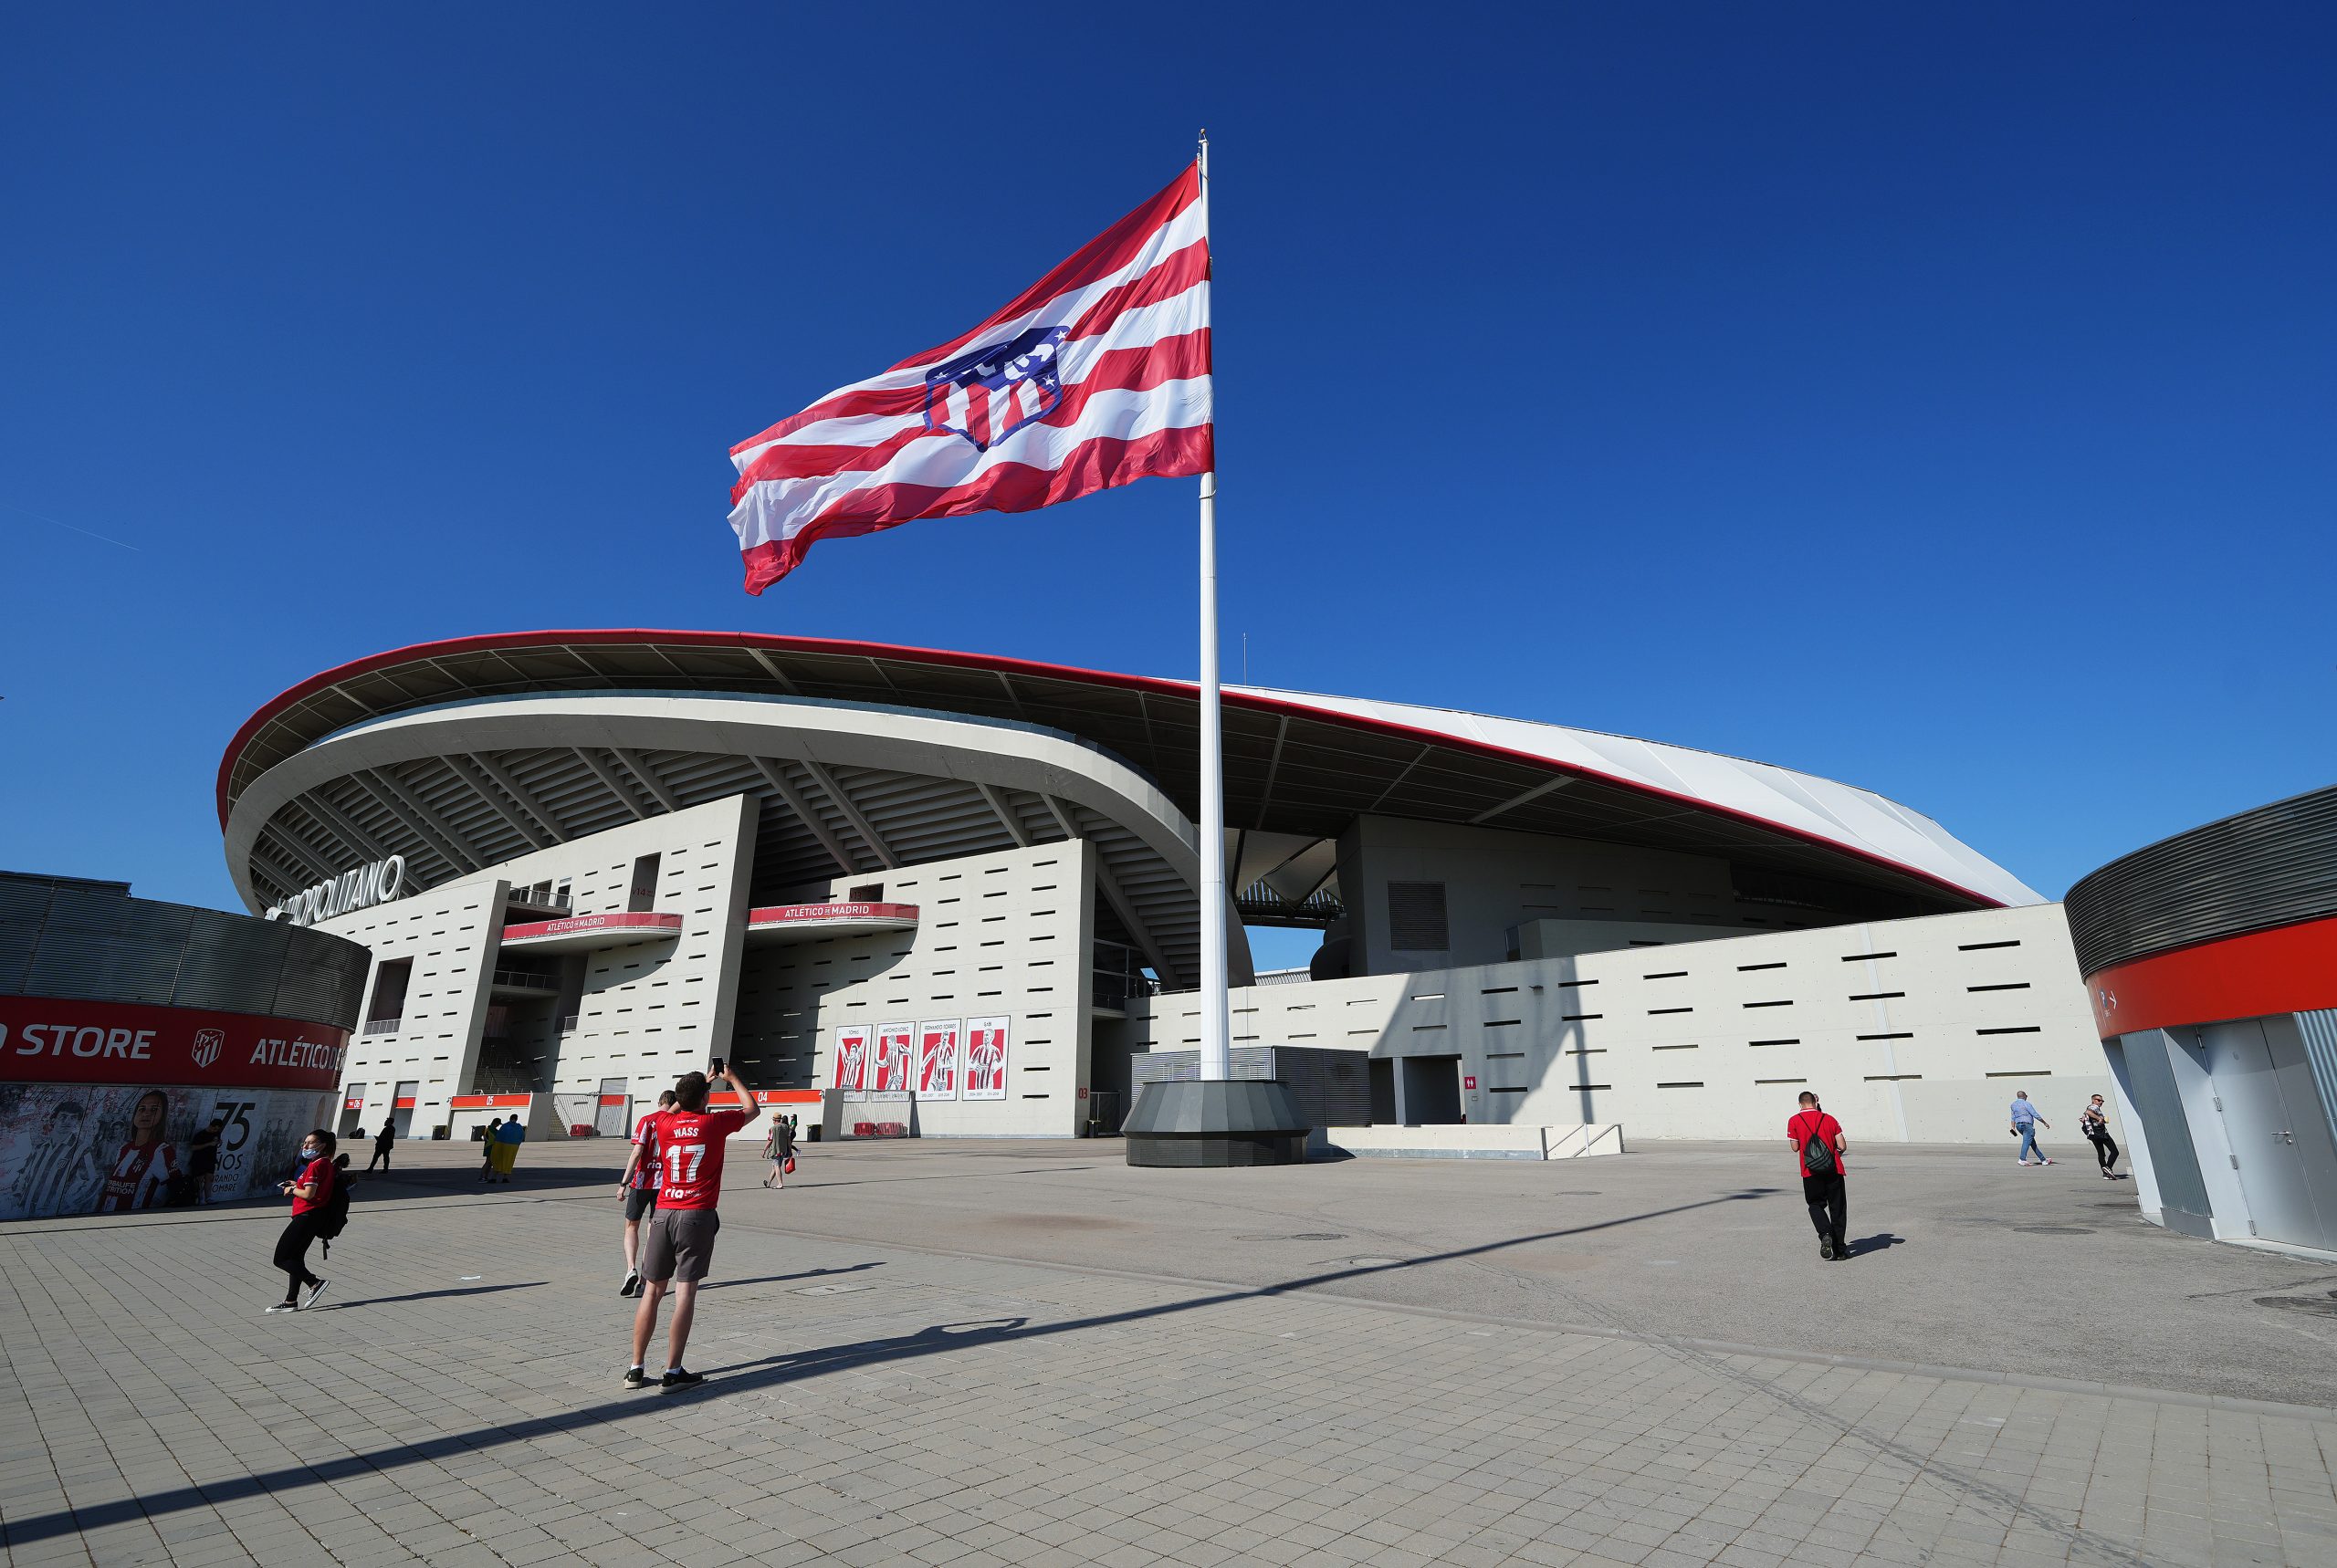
column 1097, row 374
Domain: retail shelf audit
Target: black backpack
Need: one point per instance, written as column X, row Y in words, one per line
column 334, row 1218
column 1816, row 1157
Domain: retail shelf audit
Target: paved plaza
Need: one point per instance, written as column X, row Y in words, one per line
column 981, row 1353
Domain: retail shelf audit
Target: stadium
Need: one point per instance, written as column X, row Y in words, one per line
column 958, row 891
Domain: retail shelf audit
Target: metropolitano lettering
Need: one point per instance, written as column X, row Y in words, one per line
column 361, row 888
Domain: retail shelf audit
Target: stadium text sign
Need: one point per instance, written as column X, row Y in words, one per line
column 361, row 888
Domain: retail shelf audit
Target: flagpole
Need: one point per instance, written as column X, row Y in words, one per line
column 1216, row 1018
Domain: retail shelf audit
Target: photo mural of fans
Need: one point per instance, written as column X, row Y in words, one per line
column 99, row 1148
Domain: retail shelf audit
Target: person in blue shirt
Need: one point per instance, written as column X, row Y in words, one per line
column 507, row 1139
column 2026, row 1120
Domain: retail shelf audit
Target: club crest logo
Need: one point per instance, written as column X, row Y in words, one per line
column 988, row 394
column 207, row 1044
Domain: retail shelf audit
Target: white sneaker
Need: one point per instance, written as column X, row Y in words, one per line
column 284, row 1306
column 316, row 1293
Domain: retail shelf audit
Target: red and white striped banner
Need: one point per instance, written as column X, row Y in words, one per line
column 1099, row 374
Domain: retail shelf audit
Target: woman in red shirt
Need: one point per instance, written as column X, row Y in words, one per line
column 309, row 1192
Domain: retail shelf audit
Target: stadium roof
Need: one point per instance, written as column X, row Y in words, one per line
column 1295, row 764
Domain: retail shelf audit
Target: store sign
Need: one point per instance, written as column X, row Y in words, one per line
column 46, row 1041
column 352, row 890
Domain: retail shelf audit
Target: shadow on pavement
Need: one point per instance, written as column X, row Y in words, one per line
column 1863, row 1245
column 748, row 1376
column 778, row 1279
column 434, row 1295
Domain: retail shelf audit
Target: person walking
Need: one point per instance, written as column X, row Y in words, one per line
column 638, row 1189
column 487, row 1155
column 513, row 1132
column 677, row 1245
column 1816, row 1140
column 383, row 1142
column 202, row 1157
column 2025, row 1122
column 779, row 1148
column 2094, row 1123
column 310, row 1191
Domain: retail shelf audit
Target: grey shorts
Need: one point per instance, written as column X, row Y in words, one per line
column 679, row 1244
column 638, row 1201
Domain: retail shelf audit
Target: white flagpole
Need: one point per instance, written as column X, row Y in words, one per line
column 1216, row 1019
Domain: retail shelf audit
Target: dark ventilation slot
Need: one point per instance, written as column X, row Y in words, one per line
column 1876, row 996
column 1985, row 947
column 2012, row 985
column 1659, row 1012
column 1667, row 975
column 1697, row 1083
column 645, row 885
column 1773, row 1042
column 1902, row 1034
column 1786, row 1003
column 1862, row 958
column 2017, row 1028
column 1748, row 968
column 1416, row 922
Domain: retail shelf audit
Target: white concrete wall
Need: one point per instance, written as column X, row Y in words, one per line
column 446, row 932
column 648, row 1013
column 1006, row 933
column 654, row 1012
column 1911, row 1031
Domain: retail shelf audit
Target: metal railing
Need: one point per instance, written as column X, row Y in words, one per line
column 382, row 1026
column 1119, row 975
column 566, row 1025
column 532, row 979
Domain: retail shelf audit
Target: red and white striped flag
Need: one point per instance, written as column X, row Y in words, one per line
column 1097, row 374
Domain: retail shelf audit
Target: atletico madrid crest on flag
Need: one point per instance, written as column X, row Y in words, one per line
column 1099, row 374
column 992, row 393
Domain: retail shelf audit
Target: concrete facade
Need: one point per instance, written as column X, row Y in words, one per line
column 1005, row 935
column 1911, row 1031
column 1490, row 882
column 644, row 1013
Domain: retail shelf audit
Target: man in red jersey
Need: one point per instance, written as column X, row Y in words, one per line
column 678, row 1243
column 1818, row 1138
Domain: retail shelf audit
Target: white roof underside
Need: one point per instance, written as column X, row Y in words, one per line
column 1857, row 820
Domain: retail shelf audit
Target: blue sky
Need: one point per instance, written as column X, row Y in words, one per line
column 1939, row 399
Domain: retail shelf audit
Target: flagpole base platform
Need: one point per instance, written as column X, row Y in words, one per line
column 1196, row 1125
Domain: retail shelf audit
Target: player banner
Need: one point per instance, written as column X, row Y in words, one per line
column 109, row 1148
column 893, row 1041
column 852, row 1062
column 937, row 1060
column 985, row 1059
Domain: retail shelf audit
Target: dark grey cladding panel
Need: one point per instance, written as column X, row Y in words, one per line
column 87, row 943
column 2276, row 865
column 1332, row 1088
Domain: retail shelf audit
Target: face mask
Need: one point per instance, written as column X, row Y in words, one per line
column 307, row 1154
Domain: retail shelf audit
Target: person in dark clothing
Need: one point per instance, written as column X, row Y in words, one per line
column 383, row 1142
column 2094, row 1123
column 309, row 1192
column 1816, row 1140
column 202, row 1157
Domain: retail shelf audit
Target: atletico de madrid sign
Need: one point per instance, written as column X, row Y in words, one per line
column 46, row 1041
